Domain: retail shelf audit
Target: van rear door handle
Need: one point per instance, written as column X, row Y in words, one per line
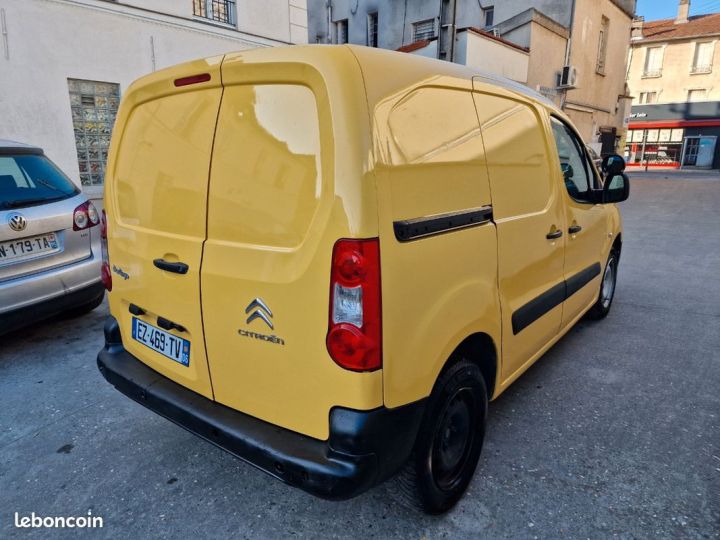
column 574, row 229
column 554, row 235
column 167, row 324
column 175, row 267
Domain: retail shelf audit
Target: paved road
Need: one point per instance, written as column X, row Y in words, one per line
column 615, row 432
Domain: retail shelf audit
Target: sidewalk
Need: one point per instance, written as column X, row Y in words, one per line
column 670, row 174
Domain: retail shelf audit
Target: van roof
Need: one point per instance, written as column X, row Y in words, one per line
column 401, row 70
column 424, row 67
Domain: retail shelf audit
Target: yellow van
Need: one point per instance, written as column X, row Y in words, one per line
column 326, row 260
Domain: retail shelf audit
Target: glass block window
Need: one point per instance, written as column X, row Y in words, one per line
column 216, row 10
column 94, row 107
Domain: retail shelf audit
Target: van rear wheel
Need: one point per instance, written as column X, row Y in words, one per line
column 449, row 441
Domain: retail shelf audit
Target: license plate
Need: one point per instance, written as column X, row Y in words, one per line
column 173, row 347
column 28, row 248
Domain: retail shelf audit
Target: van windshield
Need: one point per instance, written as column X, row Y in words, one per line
column 30, row 180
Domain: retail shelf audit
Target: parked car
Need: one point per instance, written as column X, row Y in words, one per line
column 594, row 157
column 49, row 260
column 326, row 260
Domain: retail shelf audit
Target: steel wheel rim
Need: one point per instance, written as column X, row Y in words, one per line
column 454, row 439
column 608, row 283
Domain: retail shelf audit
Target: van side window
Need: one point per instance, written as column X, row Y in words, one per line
column 516, row 154
column 574, row 165
column 434, row 125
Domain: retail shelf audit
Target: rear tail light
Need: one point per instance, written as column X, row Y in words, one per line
column 105, row 268
column 85, row 216
column 354, row 338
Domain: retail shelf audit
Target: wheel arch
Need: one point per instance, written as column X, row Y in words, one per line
column 480, row 349
column 617, row 244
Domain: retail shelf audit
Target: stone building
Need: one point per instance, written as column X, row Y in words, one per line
column 572, row 51
column 64, row 64
column 675, row 118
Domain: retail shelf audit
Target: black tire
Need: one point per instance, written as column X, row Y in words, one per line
column 607, row 288
column 449, row 441
column 84, row 308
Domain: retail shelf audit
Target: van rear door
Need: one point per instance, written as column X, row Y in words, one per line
column 156, row 204
column 273, row 219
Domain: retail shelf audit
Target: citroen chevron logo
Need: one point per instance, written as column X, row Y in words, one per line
column 259, row 311
column 17, row 222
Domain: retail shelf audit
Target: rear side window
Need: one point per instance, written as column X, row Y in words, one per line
column 30, row 180
column 434, row 125
column 516, row 154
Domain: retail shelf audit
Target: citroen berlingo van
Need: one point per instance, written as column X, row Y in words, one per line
column 326, row 260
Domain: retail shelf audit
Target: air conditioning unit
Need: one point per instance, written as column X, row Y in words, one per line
column 567, row 78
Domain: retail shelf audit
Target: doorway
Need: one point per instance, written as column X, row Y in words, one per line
column 699, row 152
column 608, row 140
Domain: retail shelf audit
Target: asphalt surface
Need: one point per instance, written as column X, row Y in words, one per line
column 614, row 433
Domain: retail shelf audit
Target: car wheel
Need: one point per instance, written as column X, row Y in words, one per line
column 449, row 441
column 607, row 288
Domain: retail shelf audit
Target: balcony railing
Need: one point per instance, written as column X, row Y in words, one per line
column 215, row 10
column 652, row 73
column 695, row 70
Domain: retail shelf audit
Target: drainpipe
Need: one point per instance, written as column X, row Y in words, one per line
column 329, row 21
column 3, row 26
column 452, row 30
column 446, row 36
column 568, row 49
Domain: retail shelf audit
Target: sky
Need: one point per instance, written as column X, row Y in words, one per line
column 667, row 9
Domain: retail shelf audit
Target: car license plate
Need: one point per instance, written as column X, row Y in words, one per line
column 167, row 344
column 28, row 248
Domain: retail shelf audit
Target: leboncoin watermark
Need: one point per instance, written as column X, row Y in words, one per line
column 58, row 522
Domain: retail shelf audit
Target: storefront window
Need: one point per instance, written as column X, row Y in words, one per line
column 654, row 147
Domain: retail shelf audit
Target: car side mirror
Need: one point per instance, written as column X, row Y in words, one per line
column 567, row 171
column 612, row 165
column 616, row 189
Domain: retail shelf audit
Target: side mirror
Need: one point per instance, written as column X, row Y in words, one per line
column 612, row 165
column 616, row 189
column 567, row 171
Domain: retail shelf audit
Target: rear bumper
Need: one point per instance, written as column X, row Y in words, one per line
column 364, row 448
column 47, row 285
column 17, row 318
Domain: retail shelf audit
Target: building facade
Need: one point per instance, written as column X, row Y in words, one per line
column 64, row 64
column 530, row 41
column 675, row 118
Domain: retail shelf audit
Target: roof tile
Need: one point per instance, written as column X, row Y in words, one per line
column 697, row 26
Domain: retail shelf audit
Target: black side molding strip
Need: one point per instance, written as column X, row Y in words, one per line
column 414, row 229
column 582, row 278
column 537, row 307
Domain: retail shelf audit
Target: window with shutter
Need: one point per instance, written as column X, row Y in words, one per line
column 372, row 38
column 697, row 94
column 341, row 31
column 653, row 62
column 602, row 46
column 424, row 30
column 702, row 62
